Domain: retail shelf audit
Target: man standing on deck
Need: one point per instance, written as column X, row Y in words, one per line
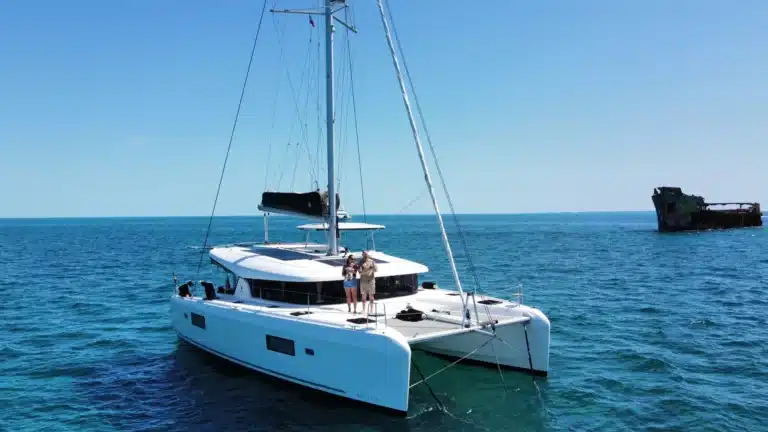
column 367, row 280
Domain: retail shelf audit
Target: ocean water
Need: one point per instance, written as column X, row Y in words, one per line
column 649, row 331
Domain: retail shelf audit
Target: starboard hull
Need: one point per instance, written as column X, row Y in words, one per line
column 517, row 346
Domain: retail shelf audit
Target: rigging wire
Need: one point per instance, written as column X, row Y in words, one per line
column 305, row 135
column 282, row 164
column 278, row 83
column 424, row 165
column 434, row 154
column 317, row 101
column 297, row 108
column 296, row 165
column 459, row 231
column 410, row 203
column 357, row 131
column 312, row 83
column 274, row 182
column 305, row 129
column 344, row 137
column 232, row 135
column 342, row 109
column 271, row 131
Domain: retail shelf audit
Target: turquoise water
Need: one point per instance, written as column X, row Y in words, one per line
column 649, row 331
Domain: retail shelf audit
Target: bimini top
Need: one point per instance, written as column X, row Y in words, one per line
column 301, row 262
column 343, row 226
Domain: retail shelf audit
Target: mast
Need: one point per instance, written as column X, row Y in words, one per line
column 333, row 247
column 328, row 12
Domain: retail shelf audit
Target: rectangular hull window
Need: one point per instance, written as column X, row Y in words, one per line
column 278, row 344
column 198, row 320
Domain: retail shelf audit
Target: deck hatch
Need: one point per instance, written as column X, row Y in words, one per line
column 300, row 313
column 361, row 320
column 489, row 302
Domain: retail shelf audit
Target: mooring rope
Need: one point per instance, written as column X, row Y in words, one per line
column 498, row 366
column 527, row 346
column 452, row 364
column 442, row 407
column 530, row 362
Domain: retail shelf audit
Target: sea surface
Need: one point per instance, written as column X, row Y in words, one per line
column 649, row 331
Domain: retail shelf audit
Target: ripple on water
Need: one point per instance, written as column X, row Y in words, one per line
column 650, row 332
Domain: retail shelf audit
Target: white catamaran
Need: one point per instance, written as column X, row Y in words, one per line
column 284, row 313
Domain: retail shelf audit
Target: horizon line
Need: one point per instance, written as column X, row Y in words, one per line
column 298, row 217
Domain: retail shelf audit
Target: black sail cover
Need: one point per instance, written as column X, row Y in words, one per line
column 310, row 203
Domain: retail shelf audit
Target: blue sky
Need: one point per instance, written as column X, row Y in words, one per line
column 125, row 108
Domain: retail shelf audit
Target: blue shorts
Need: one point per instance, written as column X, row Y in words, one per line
column 350, row 283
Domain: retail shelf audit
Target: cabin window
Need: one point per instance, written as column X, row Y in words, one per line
column 198, row 320
column 331, row 292
column 281, row 345
column 264, row 288
column 228, row 280
column 396, row 286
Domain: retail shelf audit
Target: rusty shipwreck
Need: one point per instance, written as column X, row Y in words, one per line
column 677, row 211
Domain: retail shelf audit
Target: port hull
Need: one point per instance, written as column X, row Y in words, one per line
column 306, row 354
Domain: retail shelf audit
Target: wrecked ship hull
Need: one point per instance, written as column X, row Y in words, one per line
column 677, row 211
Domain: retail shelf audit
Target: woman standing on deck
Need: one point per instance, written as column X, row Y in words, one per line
column 349, row 271
column 367, row 280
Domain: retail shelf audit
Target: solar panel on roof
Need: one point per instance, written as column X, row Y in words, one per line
column 282, row 254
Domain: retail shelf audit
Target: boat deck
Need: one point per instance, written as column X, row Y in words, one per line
column 419, row 329
column 441, row 314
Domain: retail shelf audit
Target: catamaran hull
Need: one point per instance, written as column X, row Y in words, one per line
column 512, row 348
column 361, row 365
